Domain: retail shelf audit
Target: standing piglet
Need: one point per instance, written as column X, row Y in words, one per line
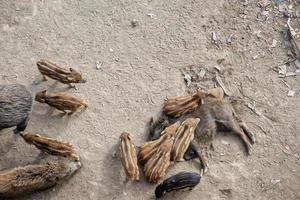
column 54, row 71
column 15, row 106
column 61, row 101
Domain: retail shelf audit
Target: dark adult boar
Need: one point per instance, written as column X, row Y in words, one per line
column 15, row 106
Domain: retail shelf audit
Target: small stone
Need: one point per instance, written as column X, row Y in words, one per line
column 151, row 15
column 254, row 57
column 224, row 142
column 213, row 36
column 275, row 180
column 202, row 73
column 282, row 71
column 188, row 79
column 111, row 50
column 274, row 43
column 291, row 6
column 98, row 65
column 258, row 34
column 134, row 23
column 291, row 93
column 228, row 40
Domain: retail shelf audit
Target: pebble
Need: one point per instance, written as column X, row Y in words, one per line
column 274, row 43
column 202, row 73
column 275, row 180
column 151, row 15
column 224, row 142
column 98, row 65
column 188, row 79
column 214, row 36
column 134, row 23
column 291, row 93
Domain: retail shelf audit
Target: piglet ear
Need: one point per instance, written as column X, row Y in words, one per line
column 44, row 91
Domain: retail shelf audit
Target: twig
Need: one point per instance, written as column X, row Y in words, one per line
column 222, row 85
column 275, row 68
column 263, row 130
column 285, row 83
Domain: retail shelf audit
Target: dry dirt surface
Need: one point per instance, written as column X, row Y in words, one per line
column 142, row 49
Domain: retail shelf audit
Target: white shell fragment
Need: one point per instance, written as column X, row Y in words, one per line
column 291, row 93
column 188, row 79
column 213, row 36
column 275, row 180
column 151, row 15
column 274, row 43
column 282, row 71
column 228, row 40
column 202, row 73
column 98, row 65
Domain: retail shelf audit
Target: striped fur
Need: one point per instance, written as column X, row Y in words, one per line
column 61, row 101
column 149, row 148
column 156, row 167
column 129, row 157
column 183, row 138
column 52, row 70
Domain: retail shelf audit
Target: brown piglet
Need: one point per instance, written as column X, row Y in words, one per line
column 54, row 71
column 61, row 101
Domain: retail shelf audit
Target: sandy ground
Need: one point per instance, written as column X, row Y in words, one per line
column 141, row 66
